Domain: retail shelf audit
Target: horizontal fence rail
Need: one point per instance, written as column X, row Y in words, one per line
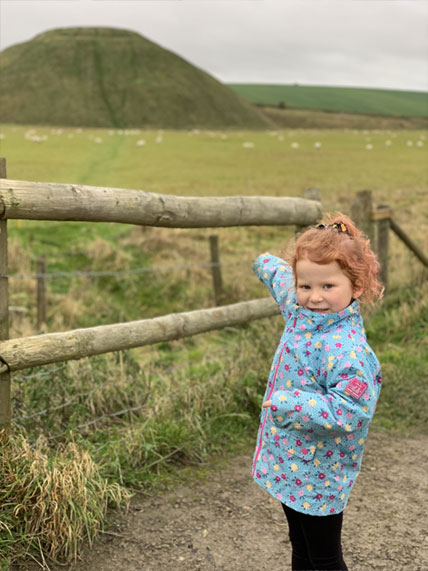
column 25, row 352
column 52, row 201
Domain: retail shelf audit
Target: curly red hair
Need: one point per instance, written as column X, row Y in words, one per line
column 347, row 246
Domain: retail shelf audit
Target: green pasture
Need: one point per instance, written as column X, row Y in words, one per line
column 337, row 99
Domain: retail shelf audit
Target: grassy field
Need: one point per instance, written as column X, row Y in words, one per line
column 135, row 419
column 337, row 99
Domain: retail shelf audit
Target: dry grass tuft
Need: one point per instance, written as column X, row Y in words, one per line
column 52, row 501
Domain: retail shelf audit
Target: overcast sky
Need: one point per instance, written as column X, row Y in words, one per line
column 358, row 43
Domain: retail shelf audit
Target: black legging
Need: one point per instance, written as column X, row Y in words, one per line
column 316, row 541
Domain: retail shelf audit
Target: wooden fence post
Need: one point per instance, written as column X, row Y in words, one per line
column 5, row 407
column 215, row 269
column 383, row 225
column 361, row 213
column 41, row 291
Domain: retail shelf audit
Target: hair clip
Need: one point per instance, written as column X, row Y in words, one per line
column 339, row 226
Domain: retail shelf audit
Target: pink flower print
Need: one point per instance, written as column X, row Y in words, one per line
column 264, row 471
column 279, row 496
column 327, row 347
column 337, row 478
column 298, row 408
column 299, row 482
column 338, row 345
column 281, row 460
column 324, row 414
column 297, row 337
column 303, row 382
column 281, row 375
column 350, row 437
column 285, row 440
column 332, row 510
column 318, row 496
column 349, row 415
column 331, row 497
column 339, row 411
column 299, row 442
column 300, row 372
column 258, row 475
column 347, row 365
column 329, row 453
column 264, row 458
column 302, row 326
column 277, row 479
column 297, row 393
column 353, row 331
column 287, row 367
column 342, row 454
column 292, row 498
column 301, row 493
column 360, row 424
column 340, row 356
column 289, row 455
column 304, row 451
column 366, row 396
column 321, row 476
column 305, row 418
column 308, row 343
column 283, row 477
column 270, row 456
column 352, row 448
column 265, row 261
column 339, row 488
column 358, row 349
column 276, row 437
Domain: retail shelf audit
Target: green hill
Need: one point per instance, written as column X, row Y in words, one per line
column 103, row 77
column 337, row 99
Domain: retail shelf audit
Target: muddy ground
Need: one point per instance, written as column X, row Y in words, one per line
column 227, row 523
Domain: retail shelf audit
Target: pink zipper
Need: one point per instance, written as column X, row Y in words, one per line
column 256, row 457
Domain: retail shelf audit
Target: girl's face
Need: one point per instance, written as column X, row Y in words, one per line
column 323, row 288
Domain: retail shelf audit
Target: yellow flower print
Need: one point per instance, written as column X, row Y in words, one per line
column 288, row 383
column 290, row 450
column 335, row 466
column 308, row 335
column 361, row 441
column 352, row 355
column 351, row 309
column 331, row 357
column 323, row 508
column 309, row 487
column 318, row 345
column 330, row 321
column 280, row 418
column 320, row 444
column 354, row 456
column 309, row 321
column 297, row 426
column 294, row 467
column 282, row 268
column 327, row 425
column 330, row 366
column 312, row 449
column 365, row 408
column 317, row 462
column 268, row 485
column 312, row 402
column 273, row 430
column 360, row 373
column 345, row 477
column 342, row 497
column 348, row 427
column 306, row 505
column 282, row 398
column 338, row 440
column 276, row 467
column 327, row 483
column 336, row 336
column 265, row 275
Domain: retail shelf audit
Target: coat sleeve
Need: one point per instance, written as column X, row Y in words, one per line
column 348, row 404
column 276, row 275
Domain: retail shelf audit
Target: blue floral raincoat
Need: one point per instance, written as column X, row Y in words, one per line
column 324, row 385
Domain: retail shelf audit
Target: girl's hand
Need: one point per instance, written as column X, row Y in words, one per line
column 267, row 404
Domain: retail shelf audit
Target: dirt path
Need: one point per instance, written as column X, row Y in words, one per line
column 228, row 523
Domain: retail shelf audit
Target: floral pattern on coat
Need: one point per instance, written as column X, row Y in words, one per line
column 324, row 384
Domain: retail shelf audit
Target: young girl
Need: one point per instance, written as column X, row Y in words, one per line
column 322, row 389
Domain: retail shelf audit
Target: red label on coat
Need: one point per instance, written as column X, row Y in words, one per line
column 356, row 388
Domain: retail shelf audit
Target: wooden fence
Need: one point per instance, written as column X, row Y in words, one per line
column 48, row 201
